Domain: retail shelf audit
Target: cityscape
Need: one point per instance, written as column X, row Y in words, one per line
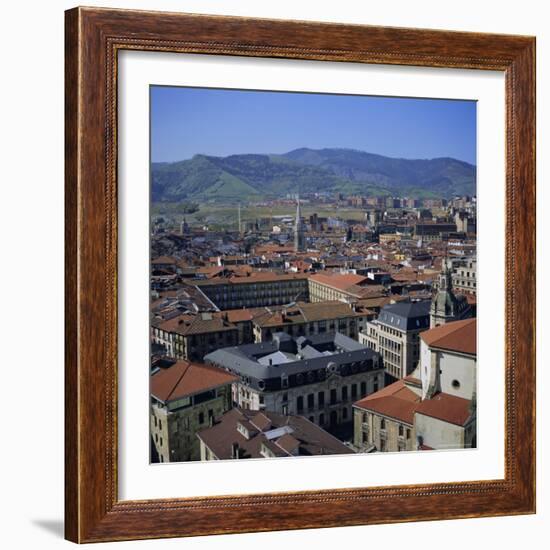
column 312, row 301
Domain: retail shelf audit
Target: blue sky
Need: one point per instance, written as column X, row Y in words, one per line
column 189, row 121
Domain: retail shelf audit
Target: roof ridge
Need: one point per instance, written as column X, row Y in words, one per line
column 179, row 379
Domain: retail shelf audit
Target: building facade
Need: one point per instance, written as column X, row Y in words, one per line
column 193, row 336
column 395, row 335
column 464, row 277
column 185, row 397
column 318, row 377
column 433, row 408
column 324, row 287
column 305, row 319
column 256, row 290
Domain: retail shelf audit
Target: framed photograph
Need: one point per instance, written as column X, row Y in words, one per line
column 280, row 236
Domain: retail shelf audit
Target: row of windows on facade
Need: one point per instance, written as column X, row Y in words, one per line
column 402, row 431
column 281, row 286
column 344, row 393
column 186, row 422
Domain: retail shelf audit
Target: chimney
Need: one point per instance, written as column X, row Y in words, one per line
column 235, row 450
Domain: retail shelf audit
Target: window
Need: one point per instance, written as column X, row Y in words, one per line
column 155, row 421
column 321, row 398
column 401, row 430
column 375, row 386
column 344, row 414
column 344, row 393
column 354, row 391
column 300, row 404
column 363, row 389
column 332, row 396
column 321, row 419
column 160, row 424
column 310, row 401
column 382, row 423
column 201, row 418
column 408, row 434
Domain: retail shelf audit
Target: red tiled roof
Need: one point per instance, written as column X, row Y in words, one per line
column 164, row 260
column 185, row 378
column 446, row 407
column 395, row 401
column 339, row 281
column 455, row 336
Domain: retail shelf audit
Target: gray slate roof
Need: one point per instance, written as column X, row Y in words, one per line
column 244, row 359
column 406, row 315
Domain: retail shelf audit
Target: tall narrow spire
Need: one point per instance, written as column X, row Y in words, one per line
column 239, row 223
column 299, row 236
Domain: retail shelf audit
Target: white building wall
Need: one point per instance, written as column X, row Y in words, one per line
column 438, row 434
column 457, row 369
column 425, row 367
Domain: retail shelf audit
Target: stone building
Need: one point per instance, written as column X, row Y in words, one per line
column 435, row 406
column 349, row 287
column 193, row 336
column 433, row 231
column 395, row 335
column 241, row 434
column 185, row 397
column 464, row 277
column 319, row 376
column 256, row 289
column 446, row 305
column 305, row 319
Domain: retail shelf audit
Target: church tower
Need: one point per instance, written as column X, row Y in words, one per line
column 299, row 230
column 446, row 306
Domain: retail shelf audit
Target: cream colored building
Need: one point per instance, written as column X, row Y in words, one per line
column 434, row 407
column 395, row 335
column 185, row 398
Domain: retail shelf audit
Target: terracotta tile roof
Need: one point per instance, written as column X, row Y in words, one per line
column 446, row 407
column 185, row 378
column 164, row 260
column 201, row 323
column 455, row 336
column 339, row 281
column 312, row 440
column 395, row 401
column 239, row 315
column 254, row 277
column 304, row 312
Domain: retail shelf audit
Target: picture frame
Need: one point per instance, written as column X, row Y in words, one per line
column 93, row 511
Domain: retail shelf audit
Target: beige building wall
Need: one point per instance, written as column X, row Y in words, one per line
column 335, row 407
column 174, row 431
column 381, row 433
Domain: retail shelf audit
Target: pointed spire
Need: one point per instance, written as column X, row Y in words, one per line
column 299, row 237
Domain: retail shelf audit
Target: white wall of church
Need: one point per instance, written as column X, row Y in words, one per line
column 458, row 374
column 438, row 434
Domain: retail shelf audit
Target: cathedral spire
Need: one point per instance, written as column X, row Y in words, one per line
column 299, row 236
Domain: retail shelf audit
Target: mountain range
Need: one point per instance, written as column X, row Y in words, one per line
column 253, row 177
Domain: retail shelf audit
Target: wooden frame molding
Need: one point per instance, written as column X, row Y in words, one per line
column 93, row 38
